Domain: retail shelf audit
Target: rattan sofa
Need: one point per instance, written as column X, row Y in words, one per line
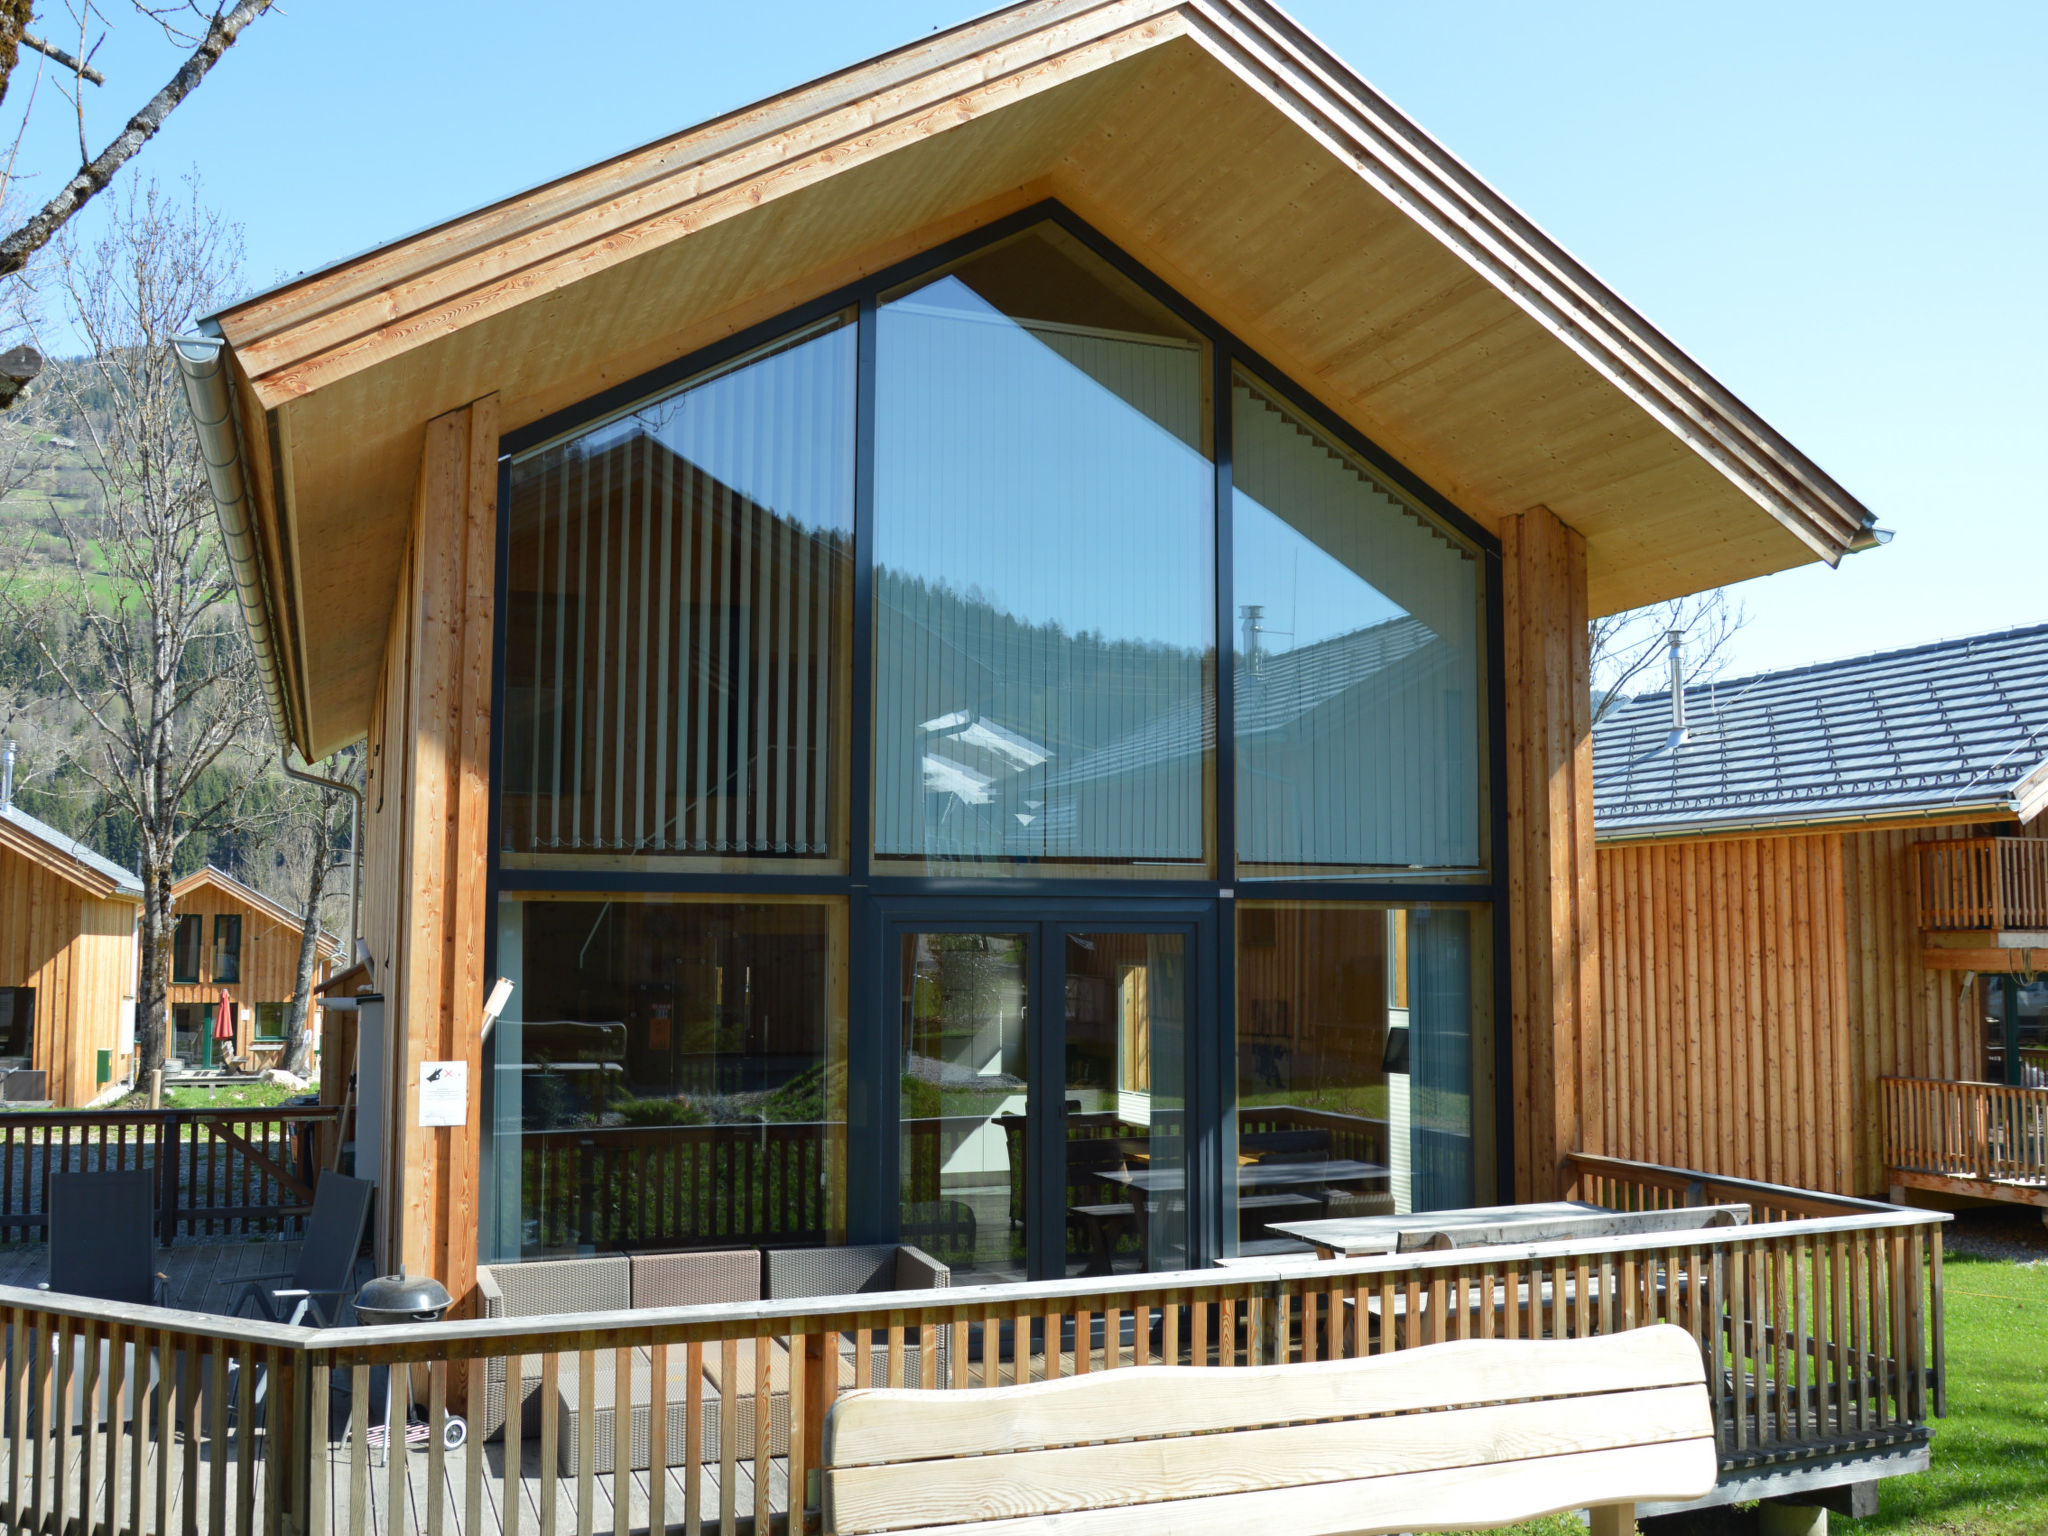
column 627, row 1282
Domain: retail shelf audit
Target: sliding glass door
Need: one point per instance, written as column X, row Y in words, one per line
column 1041, row 1086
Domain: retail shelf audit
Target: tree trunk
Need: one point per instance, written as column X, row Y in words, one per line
column 152, row 988
column 297, row 1046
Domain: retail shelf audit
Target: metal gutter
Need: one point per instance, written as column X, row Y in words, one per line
column 205, row 372
column 1987, row 810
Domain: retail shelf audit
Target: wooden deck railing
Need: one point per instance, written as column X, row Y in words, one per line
column 1821, row 1332
column 1967, row 1138
column 232, row 1171
column 1984, row 884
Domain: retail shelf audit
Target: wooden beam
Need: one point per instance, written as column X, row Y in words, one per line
column 443, row 772
column 1554, row 937
column 1974, row 1189
column 2022, row 962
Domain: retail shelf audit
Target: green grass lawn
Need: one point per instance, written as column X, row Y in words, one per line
column 1990, row 1475
column 240, row 1096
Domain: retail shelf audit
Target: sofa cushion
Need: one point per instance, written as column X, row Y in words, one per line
column 696, row 1279
column 798, row 1272
column 601, row 1283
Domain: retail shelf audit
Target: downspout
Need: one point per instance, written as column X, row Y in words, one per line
column 355, row 847
column 213, row 418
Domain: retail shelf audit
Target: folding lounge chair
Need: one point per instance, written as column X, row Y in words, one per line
column 103, row 1245
column 103, row 1236
column 325, row 1275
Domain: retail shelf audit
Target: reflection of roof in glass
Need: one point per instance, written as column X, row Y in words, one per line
column 1960, row 722
column 1284, row 688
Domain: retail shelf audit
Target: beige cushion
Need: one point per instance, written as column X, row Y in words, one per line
column 696, row 1279
column 542, row 1287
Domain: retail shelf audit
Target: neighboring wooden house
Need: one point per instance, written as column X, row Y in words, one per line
column 1821, row 878
column 791, row 591
column 67, row 960
column 230, row 937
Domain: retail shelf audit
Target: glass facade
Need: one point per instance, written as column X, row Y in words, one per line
column 876, row 830
column 1044, row 570
column 1361, row 1032
column 670, row 1073
column 1357, row 682
column 675, row 626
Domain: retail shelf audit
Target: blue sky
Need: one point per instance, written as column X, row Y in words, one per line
column 1837, row 208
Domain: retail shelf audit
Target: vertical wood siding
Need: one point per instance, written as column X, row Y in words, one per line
column 1911, row 1021
column 1724, row 1008
column 1753, row 991
column 78, row 952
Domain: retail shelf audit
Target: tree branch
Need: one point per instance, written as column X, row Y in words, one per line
column 52, row 51
column 18, row 247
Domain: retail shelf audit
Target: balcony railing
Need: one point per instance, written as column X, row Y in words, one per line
column 1820, row 1324
column 217, row 1171
column 1984, row 884
column 1967, row 1138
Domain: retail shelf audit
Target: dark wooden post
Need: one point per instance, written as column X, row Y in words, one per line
column 169, row 1132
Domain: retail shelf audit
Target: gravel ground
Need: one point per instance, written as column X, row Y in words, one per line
column 2012, row 1232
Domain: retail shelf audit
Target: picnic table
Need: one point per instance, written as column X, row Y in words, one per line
column 1543, row 1221
column 1273, row 1186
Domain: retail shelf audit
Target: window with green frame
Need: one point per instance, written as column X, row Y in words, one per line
column 270, row 1022
column 227, row 947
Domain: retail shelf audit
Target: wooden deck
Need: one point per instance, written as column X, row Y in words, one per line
column 204, row 1277
column 1820, row 1323
column 1985, row 1141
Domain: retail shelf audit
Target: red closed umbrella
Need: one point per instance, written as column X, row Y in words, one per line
column 224, row 1017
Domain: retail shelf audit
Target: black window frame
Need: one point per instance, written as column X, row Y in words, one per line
column 878, row 898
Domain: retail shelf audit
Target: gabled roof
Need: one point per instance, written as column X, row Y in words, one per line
column 1954, row 729
column 249, row 896
column 43, row 844
column 1213, row 140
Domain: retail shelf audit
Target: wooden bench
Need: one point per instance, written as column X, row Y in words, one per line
column 1472, row 1435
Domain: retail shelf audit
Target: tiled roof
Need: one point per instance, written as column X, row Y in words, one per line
column 127, row 882
column 1954, row 725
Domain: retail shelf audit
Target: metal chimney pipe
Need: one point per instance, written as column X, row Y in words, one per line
column 1675, row 640
column 7, row 779
column 1250, row 614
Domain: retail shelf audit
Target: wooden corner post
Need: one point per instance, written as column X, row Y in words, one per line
column 447, row 599
column 1553, row 931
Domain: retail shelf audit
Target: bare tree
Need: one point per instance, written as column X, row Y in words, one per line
column 201, row 35
column 173, row 731
column 1627, row 646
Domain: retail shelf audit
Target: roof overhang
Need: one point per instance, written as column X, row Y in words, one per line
column 1790, row 824
column 1214, row 140
column 18, row 839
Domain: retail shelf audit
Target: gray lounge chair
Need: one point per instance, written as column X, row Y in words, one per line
column 103, row 1245
column 103, row 1236
column 324, row 1277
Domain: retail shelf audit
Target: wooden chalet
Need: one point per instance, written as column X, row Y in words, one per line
column 68, row 962
column 1823, row 911
column 952, row 536
column 230, row 937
